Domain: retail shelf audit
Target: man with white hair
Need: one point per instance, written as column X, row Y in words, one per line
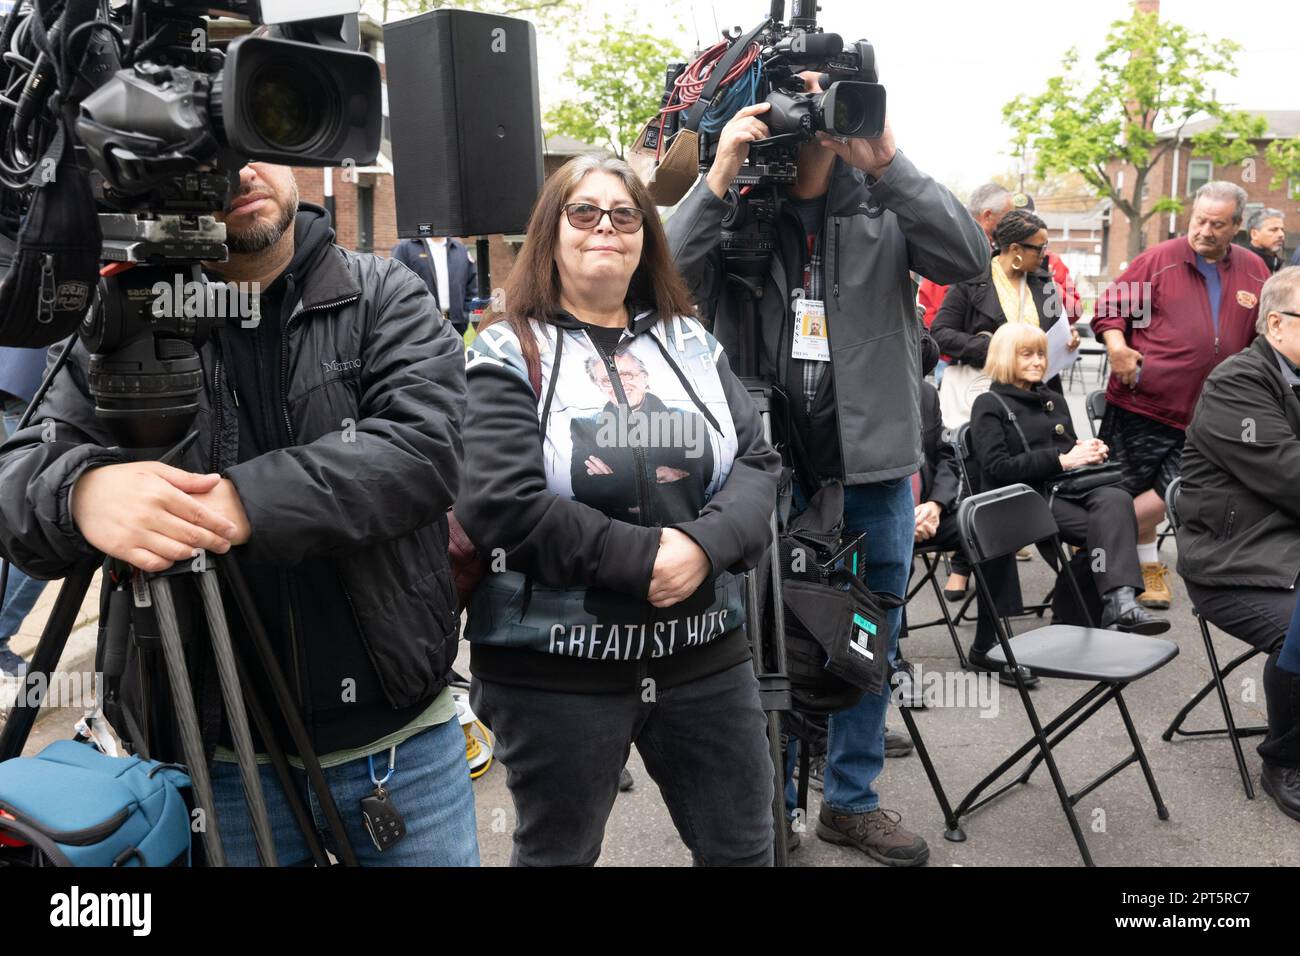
column 1239, row 539
column 987, row 205
column 1177, row 311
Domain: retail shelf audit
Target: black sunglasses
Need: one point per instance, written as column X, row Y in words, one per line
column 1030, row 245
column 584, row 215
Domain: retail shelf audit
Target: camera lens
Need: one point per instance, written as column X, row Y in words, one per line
column 284, row 108
column 850, row 112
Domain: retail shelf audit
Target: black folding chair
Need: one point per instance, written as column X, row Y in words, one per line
column 1230, row 728
column 1096, row 402
column 995, row 524
column 1096, row 348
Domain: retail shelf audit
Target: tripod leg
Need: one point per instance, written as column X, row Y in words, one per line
column 234, row 577
column 54, row 638
column 283, row 772
column 219, row 634
column 187, row 717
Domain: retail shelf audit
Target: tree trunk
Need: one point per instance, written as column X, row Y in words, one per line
column 1136, row 238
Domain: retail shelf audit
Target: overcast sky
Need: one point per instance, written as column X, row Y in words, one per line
column 950, row 65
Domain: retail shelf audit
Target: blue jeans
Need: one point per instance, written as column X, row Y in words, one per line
column 855, row 746
column 22, row 592
column 430, row 787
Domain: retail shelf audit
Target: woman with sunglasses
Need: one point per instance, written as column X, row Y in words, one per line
column 618, row 481
column 1017, row 288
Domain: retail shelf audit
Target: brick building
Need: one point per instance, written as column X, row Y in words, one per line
column 1179, row 173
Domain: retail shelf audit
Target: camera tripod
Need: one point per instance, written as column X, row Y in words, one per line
column 141, row 608
column 135, row 603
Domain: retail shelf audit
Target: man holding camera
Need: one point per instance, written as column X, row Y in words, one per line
column 329, row 450
column 859, row 217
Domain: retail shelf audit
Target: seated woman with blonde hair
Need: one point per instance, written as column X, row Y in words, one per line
column 1021, row 433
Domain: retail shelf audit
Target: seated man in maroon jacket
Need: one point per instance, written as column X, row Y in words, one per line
column 1176, row 312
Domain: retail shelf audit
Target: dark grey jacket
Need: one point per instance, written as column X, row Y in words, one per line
column 1240, row 515
column 373, row 393
column 876, row 234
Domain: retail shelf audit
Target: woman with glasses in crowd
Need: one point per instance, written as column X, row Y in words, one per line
column 1017, row 288
column 619, row 484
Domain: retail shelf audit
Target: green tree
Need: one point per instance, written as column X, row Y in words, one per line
column 1149, row 72
column 618, row 81
column 1283, row 156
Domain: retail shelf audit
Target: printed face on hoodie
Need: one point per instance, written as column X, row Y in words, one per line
column 596, row 265
column 632, row 375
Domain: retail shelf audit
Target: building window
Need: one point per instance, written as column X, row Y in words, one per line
column 1293, row 189
column 1199, row 172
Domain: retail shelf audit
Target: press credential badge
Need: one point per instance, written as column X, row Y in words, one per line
column 863, row 631
column 810, row 340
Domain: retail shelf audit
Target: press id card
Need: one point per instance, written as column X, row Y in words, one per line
column 810, row 340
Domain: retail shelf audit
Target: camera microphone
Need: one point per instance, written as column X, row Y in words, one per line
column 810, row 47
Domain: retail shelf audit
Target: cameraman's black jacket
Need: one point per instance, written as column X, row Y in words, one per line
column 348, row 515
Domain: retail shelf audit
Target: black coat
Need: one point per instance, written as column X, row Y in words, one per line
column 940, row 479
column 462, row 276
column 1239, row 509
column 1044, row 417
column 972, row 307
column 373, row 394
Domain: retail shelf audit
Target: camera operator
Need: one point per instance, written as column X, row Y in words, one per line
column 857, row 220
column 329, row 449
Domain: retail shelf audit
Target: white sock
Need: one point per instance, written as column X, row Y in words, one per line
column 1147, row 553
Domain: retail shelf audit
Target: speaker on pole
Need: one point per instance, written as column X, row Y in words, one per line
column 466, row 123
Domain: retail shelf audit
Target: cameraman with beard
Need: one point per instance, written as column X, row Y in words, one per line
column 329, row 451
column 859, row 217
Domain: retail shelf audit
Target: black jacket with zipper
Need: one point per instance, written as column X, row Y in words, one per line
column 1043, row 416
column 346, row 483
column 972, row 307
column 1238, row 509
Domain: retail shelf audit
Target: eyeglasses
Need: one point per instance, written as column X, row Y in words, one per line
column 1030, row 245
column 583, row 215
column 1294, row 315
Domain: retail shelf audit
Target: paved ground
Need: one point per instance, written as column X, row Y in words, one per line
column 1211, row 822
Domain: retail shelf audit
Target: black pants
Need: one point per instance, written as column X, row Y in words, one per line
column 1105, row 524
column 704, row 743
column 1260, row 617
column 1001, row 576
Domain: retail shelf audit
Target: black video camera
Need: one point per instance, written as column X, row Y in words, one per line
column 764, row 65
column 123, row 128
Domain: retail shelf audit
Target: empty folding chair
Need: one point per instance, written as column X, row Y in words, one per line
column 995, row 524
column 1217, row 674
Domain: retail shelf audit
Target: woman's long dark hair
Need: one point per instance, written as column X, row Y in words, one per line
column 533, row 289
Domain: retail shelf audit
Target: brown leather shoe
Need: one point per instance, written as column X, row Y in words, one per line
column 1155, row 578
column 879, row 834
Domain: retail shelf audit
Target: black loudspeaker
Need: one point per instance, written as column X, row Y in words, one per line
column 466, row 123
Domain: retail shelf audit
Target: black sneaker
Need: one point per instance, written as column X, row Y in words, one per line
column 906, row 692
column 11, row 664
column 897, row 743
column 793, row 837
column 1283, row 785
column 979, row 662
